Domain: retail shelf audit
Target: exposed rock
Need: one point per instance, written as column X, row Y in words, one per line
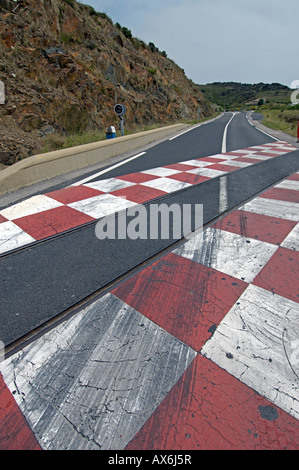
column 64, row 66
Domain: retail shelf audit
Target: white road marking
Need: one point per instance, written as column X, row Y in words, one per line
column 167, row 185
column 288, row 184
column 292, row 240
column 222, row 193
column 255, row 342
column 225, row 133
column 93, row 381
column 229, row 253
column 188, row 130
column 195, row 127
column 108, row 185
column 89, row 178
column 208, row 172
column 101, row 206
column 39, row 203
column 12, row 236
column 273, row 208
column 272, row 137
column 162, row 172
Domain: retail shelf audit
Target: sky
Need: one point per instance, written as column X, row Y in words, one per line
column 247, row 41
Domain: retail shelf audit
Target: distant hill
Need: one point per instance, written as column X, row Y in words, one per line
column 65, row 65
column 229, row 95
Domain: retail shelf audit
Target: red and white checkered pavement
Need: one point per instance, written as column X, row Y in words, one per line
column 197, row 351
column 238, row 284
column 47, row 214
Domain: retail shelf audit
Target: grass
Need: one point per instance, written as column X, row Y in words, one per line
column 285, row 120
column 57, row 141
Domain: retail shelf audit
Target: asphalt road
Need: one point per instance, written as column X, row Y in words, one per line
column 42, row 281
column 200, row 142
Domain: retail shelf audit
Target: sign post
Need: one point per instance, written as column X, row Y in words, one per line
column 2, row 93
column 120, row 110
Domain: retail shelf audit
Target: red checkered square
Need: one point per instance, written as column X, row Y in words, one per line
column 15, row 433
column 209, row 409
column 269, row 154
column 49, row 223
column 212, row 160
column 137, row 177
column 294, row 177
column 223, row 167
column 180, row 166
column 197, row 297
column 189, row 178
column 280, row 274
column 138, row 193
column 248, row 160
column 73, row 194
column 257, row 226
column 282, row 194
column 235, row 154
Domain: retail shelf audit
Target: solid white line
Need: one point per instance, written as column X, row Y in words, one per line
column 195, row 127
column 269, row 135
column 108, row 169
column 188, row 130
column 225, row 134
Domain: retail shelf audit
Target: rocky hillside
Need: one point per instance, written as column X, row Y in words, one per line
column 64, row 67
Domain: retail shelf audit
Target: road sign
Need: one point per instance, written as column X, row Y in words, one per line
column 119, row 109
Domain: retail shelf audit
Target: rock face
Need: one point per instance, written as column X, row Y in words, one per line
column 64, row 66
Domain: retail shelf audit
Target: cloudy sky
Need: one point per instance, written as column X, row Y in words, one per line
column 246, row 41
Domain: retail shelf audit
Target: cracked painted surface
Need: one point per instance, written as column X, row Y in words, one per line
column 292, row 240
column 273, row 208
column 30, row 206
column 199, row 350
column 209, row 409
column 45, row 215
column 93, row 382
column 12, row 236
column 187, row 299
column 229, row 253
column 254, row 343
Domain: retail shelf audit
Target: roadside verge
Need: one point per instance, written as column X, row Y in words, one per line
column 46, row 166
column 277, row 134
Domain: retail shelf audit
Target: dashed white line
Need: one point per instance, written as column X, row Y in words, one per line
column 223, row 193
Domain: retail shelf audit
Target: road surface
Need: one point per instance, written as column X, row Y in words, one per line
column 106, row 332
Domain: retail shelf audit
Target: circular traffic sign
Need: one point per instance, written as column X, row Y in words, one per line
column 119, row 109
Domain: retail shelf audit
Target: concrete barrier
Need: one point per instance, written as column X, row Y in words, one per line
column 48, row 165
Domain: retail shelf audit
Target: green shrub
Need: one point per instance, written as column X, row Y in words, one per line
column 152, row 47
column 127, row 33
column 66, row 38
column 70, row 2
column 91, row 45
column 151, row 70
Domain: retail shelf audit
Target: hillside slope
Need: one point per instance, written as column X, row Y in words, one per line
column 64, row 67
column 231, row 95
